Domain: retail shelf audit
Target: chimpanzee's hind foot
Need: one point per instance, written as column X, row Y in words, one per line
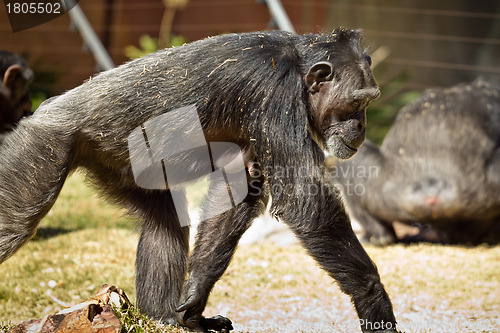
column 206, row 325
column 216, row 323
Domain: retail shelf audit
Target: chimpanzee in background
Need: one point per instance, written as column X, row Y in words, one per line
column 282, row 98
column 439, row 165
column 15, row 102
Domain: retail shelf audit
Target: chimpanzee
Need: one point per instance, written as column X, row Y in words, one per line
column 15, row 102
column 438, row 166
column 280, row 97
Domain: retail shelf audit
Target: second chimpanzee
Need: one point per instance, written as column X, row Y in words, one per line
column 15, row 100
column 438, row 166
column 281, row 98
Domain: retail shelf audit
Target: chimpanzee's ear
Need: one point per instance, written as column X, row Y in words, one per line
column 17, row 79
column 319, row 72
column 12, row 75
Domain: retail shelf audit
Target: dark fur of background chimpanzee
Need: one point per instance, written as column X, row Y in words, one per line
column 249, row 89
column 439, row 169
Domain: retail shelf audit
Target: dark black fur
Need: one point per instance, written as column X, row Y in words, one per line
column 439, row 165
column 280, row 97
column 15, row 77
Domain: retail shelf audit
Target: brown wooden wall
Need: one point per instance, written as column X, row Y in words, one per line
column 437, row 43
column 209, row 17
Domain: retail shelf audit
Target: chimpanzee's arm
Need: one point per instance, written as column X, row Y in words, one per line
column 216, row 242
column 325, row 231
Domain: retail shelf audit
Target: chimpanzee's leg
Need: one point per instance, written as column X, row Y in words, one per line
column 161, row 256
column 163, row 247
column 323, row 227
column 216, row 242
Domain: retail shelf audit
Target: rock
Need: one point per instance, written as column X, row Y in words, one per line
column 92, row 316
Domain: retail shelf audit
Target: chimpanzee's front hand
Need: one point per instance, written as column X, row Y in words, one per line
column 191, row 306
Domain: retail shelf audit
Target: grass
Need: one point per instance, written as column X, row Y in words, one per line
column 80, row 207
column 134, row 321
column 84, row 243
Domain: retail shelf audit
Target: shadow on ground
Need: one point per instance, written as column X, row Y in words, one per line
column 48, row 232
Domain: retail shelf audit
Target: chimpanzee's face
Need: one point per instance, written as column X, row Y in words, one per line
column 338, row 101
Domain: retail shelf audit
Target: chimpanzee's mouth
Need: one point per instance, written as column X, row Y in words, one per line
column 339, row 136
column 349, row 147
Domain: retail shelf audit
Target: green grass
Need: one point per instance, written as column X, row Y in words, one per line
column 85, row 243
column 134, row 321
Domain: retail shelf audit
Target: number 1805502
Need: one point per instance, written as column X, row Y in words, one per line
column 34, row 8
